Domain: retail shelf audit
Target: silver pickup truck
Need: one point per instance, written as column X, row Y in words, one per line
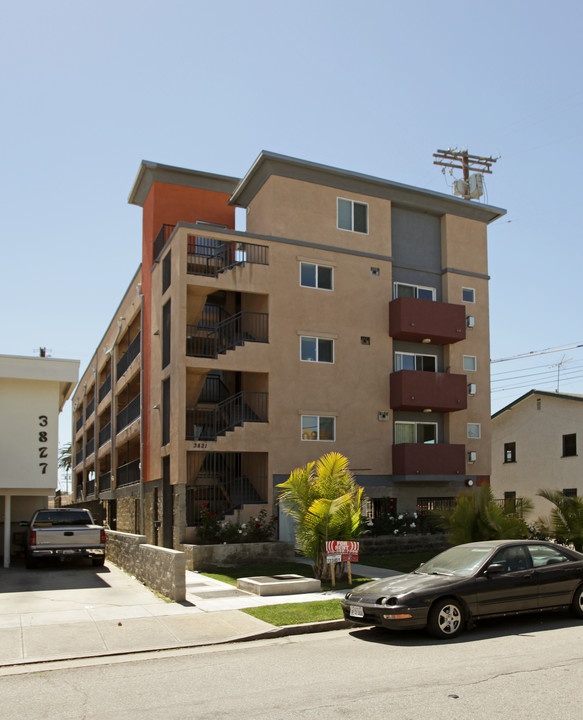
column 64, row 533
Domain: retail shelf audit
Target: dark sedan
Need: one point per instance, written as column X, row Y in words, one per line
column 467, row 582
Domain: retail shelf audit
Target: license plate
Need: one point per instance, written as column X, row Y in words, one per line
column 68, row 552
column 356, row 611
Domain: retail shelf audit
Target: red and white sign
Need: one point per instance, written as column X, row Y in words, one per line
column 345, row 547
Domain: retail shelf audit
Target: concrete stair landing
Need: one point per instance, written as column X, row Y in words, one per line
column 279, row 585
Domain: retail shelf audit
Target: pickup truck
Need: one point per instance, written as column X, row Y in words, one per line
column 64, row 533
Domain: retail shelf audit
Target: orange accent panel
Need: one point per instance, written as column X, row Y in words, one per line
column 170, row 204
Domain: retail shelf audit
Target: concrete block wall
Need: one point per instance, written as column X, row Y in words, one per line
column 206, row 557
column 159, row 568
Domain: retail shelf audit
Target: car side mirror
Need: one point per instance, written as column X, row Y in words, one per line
column 495, row 569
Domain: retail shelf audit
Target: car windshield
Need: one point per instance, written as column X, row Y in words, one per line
column 49, row 518
column 462, row 560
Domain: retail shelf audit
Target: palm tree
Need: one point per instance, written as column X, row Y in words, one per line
column 477, row 517
column 324, row 500
column 566, row 519
column 65, row 455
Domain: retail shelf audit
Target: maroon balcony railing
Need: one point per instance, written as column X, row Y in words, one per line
column 416, row 320
column 416, row 390
column 420, row 459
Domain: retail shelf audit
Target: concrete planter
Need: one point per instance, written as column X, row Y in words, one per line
column 206, row 557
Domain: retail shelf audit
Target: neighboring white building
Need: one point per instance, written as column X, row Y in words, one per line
column 535, row 443
column 32, row 394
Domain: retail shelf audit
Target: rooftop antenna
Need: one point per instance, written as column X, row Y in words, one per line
column 470, row 187
column 559, row 365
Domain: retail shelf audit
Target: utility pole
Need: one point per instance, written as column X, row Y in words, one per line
column 462, row 160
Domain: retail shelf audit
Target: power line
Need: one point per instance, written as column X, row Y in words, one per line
column 532, row 353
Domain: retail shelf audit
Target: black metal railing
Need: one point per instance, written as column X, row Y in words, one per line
column 79, row 457
column 104, row 434
column 129, row 356
column 89, row 408
column 214, row 390
column 235, row 331
column 89, row 447
column 210, row 256
column 130, row 413
column 105, row 387
column 90, row 486
column 128, row 473
column 162, row 238
column 79, row 492
column 79, row 423
column 105, row 481
column 209, row 423
column 222, row 482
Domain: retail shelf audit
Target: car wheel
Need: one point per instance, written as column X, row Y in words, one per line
column 98, row 561
column 446, row 619
column 577, row 604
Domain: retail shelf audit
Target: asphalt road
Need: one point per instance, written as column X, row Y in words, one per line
column 526, row 668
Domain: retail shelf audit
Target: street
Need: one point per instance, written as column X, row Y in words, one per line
column 520, row 668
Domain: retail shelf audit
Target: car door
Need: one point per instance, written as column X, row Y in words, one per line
column 557, row 575
column 515, row 589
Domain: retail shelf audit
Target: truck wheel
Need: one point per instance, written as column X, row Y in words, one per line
column 98, row 561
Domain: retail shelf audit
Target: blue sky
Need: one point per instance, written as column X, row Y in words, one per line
column 90, row 89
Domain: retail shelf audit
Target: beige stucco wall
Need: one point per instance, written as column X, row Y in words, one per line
column 465, row 259
column 537, row 429
column 32, row 391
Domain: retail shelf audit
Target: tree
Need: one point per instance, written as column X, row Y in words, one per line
column 477, row 517
column 324, row 500
column 65, row 457
column 565, row 523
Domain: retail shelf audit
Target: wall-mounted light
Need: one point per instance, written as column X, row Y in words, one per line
column 156, row 407
column 426, row 341
column 156, row 332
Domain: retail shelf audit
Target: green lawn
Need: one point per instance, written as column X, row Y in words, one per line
column 319, row 610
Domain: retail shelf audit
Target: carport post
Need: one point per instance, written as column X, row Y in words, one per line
column 7, row 516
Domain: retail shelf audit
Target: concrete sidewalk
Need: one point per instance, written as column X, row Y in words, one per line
column 65, row 612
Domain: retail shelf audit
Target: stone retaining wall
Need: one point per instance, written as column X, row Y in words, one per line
column 159, row 568
column 206, row 557
column 387, row 544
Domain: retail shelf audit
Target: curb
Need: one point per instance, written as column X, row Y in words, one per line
column 273, row 633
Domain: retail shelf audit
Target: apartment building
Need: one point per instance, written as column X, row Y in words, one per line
column 351, row 315
column 534, row 447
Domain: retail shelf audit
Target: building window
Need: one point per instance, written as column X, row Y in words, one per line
column 474, row 431
column 318, row 427
column 352, row 216
column 470, row 363
column 413, row 291
column 510, row 452
column 570, row 492
column 166, row 319
column 510, row 502
column 166, row 271
column 315, row 349
column 569, row 445
column 166, row 411
column 410, row 432
column 413, row 361
column 468, row 295
column 316, row 276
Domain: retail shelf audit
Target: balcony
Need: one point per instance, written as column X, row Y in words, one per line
column 210, row 256
column 79, row 456
column 428, row 459
column 104, row 434
column 90, row 487
column 129, row 356
column 209, row 342
column 208, row 423
column 416, row 320
column 416, row 391
column 90, row 408
column 128, row 474
column 89, row 447
column 105, row 388
column 130, row 413
column 105, row 482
